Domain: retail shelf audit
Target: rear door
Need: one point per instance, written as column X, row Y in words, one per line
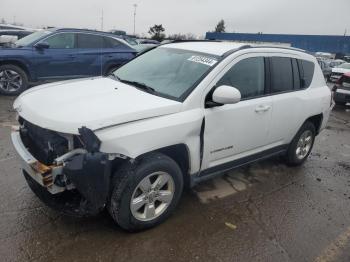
column 288, row 86
column 90, row 49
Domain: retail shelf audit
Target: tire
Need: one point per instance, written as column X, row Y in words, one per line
column 126, row 186
column 304, row 149
column 14, row 80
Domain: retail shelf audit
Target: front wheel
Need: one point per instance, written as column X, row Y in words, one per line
column 301, row 145
column 145, row 193
column 13, row 80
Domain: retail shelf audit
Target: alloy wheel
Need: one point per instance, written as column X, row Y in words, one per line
column 304, row 144
column 152, row 196
column 10, row 81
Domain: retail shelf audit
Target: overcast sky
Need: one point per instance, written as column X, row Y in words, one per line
column 185, row 16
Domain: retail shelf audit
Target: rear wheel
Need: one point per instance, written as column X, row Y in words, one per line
column 145, row 194
column 13, row 80
column 301, row 145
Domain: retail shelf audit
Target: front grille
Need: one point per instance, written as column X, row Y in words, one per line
column 45, row 145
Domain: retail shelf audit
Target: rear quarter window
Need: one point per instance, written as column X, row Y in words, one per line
column 307, row 69
column 112, row 43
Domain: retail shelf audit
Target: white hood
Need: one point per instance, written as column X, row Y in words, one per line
column 340, row 70
column 94, row 103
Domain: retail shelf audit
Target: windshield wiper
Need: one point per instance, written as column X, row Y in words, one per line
column 137, row 85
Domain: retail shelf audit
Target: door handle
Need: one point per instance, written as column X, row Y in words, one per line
column 262, row 108
column 72, row 56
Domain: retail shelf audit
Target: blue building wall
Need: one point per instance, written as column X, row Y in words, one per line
column 311, row 43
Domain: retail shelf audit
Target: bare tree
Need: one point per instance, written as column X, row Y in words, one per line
column 220, row 27
column 156, row 32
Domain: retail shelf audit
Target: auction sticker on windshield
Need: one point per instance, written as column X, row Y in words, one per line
column 203, row 60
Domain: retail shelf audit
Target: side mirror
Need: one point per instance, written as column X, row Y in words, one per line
column 226, row 95
column 42, row 45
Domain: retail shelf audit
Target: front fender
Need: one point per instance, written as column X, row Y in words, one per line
column 143, row 136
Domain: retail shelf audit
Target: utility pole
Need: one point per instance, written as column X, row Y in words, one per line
column 102, row 20
column 135, row 6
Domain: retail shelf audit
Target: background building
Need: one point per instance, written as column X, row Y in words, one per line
column 312, row 43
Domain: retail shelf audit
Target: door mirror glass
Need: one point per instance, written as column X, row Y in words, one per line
column 226, row 95
column 42, row 45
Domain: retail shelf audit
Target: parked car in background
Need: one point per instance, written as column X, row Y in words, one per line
column 148, row 41
column 338, row 71
column 58, row 54
column 137, row 44
column 15, row 27
column 336, row 62
column 170, row 118
column 326, row 69
column 342, row 90
column 12, row 35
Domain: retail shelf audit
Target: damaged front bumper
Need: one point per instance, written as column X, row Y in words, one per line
column 41, row 173
column 88, row 173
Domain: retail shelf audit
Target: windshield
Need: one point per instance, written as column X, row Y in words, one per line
column 29, row 39
column 345, row 66
column 169, row 72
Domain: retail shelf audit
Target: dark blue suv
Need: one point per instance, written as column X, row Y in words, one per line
column 57, row 54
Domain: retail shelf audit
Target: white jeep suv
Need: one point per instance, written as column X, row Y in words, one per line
column 172, row 117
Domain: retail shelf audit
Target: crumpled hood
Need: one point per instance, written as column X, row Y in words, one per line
column 94, row 103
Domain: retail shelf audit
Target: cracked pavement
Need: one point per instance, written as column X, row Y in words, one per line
column 277, row 213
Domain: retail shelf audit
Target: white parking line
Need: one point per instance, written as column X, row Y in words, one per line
column 7, row 124
column 335, row 249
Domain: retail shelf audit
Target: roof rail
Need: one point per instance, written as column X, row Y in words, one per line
column 277, row 46
column 235, row 50
column 261, row 46
column 82, row 30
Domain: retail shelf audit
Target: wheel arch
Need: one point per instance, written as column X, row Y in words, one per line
column 316, row 120
column 180, row 154
column 20, row 64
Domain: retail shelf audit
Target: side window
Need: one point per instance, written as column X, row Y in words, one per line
column 307, row 72
column 248, row 76
column 110, row 42
column 63, row 40
column 282, row 74
column 89, row 41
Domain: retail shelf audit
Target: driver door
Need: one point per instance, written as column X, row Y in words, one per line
column 59, row 61
column 233, row 131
